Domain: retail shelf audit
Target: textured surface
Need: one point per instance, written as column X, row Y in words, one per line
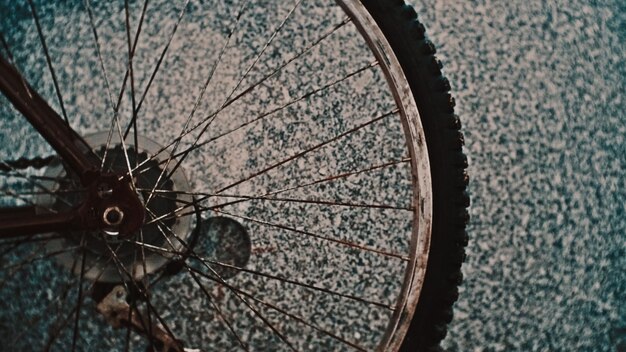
column 540, row 90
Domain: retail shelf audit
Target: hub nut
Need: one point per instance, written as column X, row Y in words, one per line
column 113, row 216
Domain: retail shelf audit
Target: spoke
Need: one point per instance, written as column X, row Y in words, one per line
column 295, row 57
column 16, row 173
column 146, row 299
column 208, row 261
column 79, row 299
column 164, row 195
column 204, row 196
column 262, row 116
column 4, row 172
column 33, row 254
column 232, row 30
column 119, row 266
column 10, row 193
column 41, row 257
column 116, row 122
column 68, row 286
column 132, row 91
column 145, row 283
column 265, row 46
column 253, row 86
column 58, row 300
column 133, row 307
column 66, row 290
column 310, row 201
column 255, row 311
column 297, row 283
column 341, row 176
column 126, row 76
column 308, row 150
column 66, row 321
column 30, row 239
column 311, row 234
column 48, row 59
column 106, row 79
column 160, row 60
column 220, row 281
column 6, row 47
column 280, row 310
column 275, row 110
column 216, row 307
column 321, row 237
column 52, row 193
column 114, row 107
column 99, row 55
column 282, row 162
column 60, row 325
column 243, row 77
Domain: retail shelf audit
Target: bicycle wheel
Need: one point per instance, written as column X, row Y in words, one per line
column 298, row 165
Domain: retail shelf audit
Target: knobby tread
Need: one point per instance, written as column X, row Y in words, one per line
column 442, row 128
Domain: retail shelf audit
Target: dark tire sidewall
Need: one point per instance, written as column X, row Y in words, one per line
column 444, row 142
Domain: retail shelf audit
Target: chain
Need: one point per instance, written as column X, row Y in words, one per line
column 24, row 163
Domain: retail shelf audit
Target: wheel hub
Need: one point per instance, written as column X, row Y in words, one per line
column 125, row 211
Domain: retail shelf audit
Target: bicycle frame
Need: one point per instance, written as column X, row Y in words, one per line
column 78, row 158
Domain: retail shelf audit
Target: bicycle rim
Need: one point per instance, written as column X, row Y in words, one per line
column 284, row 152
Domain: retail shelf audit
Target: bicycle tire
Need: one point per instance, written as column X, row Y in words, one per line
column 448, row 166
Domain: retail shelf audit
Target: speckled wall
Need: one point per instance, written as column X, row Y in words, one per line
column 540, row 88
